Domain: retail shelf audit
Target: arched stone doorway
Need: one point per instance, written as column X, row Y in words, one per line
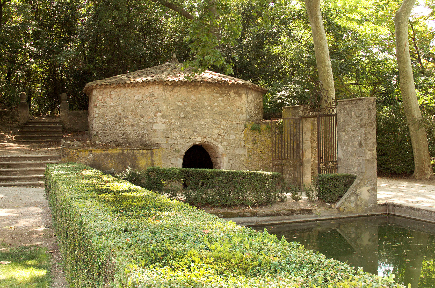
column 200, row 156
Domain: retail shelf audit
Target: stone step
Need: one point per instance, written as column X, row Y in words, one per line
column 29, row 158
column 39, row 137
column 26, row 164
column 22, row 171
column 42, row 122
column 40, row 131
column 23, row 184
column 39, row 128
column 21, row 178
column 55, row 141
column 45, row 120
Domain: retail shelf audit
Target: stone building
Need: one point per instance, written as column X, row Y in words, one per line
column 192, row 120
column 165, row 116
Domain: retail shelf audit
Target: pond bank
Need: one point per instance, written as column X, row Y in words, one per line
column 408, row 198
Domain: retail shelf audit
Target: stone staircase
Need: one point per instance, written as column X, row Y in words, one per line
column 40, row 131
column 24, row 170
column 36, row 144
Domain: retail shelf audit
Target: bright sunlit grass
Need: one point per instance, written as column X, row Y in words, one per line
column 24, row 267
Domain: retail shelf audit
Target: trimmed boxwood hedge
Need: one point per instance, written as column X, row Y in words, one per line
column 217, row 187
column 331, row 187
column 114, row 234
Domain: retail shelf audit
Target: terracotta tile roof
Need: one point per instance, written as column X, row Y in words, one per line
column 168, row 73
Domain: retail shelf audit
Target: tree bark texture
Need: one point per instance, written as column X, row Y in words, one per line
column 321, row 51
column 423, row 169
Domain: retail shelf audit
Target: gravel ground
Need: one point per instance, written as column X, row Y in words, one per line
column 418, row 194
column 25, row 220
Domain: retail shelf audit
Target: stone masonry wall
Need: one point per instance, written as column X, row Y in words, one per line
column 258, row 141
column 175, row 117
column 356, row 128
column 114, row 160
column 75, row 120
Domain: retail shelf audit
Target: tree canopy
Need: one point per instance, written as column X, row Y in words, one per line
column 57, row 46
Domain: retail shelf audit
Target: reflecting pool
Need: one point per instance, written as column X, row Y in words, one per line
column 382, row 245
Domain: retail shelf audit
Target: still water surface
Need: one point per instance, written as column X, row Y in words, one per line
column 382, row 245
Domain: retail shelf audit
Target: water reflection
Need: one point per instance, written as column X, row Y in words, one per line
column 382, row 245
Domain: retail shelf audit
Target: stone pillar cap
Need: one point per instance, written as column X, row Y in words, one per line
column 23, row 97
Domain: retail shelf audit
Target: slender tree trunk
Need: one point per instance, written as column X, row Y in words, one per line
column 322, row 53
column 423, row 169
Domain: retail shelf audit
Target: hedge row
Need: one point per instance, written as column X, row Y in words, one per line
column 331, row 187
column 212, row 187
column 115, row 234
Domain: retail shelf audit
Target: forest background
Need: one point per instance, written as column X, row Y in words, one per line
column 51, row 47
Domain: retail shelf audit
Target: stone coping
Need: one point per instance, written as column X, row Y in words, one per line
column 80, row 146
column 426, row 215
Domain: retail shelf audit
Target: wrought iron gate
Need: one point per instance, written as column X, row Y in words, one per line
column 288, row 141
column 327, row 147
column 287, row 149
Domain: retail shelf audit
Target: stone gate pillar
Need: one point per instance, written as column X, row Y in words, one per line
column 64, row 107
column 23, row 109
column 356, row 136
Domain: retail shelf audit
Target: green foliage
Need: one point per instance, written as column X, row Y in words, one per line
column 115, row 234
column 214, row 187
column 331, row 187
column 256, row 127
column 295, row 191
column 48, row 48
column 394, row 148
column 133, row 176
column 310, row 192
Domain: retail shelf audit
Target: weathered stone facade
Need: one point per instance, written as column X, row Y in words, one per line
column 114, row 159
column 356, row 125
column 163, row 108
column 258, row 142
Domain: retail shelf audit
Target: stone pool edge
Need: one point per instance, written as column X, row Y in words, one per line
column 393, row 209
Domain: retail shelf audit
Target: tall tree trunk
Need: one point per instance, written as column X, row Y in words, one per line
column 322, row 53
column 423, row 169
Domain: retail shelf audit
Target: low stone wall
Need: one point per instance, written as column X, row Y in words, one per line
column 75, row 120
column 72, row 120
column 114, row 160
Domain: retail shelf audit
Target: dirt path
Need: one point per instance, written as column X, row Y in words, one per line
column 25, row 220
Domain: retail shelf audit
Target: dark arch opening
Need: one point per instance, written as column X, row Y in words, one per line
column 197, row 157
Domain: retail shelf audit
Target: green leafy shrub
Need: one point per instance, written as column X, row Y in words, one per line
column 256, row 127
column 217, row 187
column 133, row 176
column 310, row 192
column 114, row 234
column 331, row 187
column 394, row 148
